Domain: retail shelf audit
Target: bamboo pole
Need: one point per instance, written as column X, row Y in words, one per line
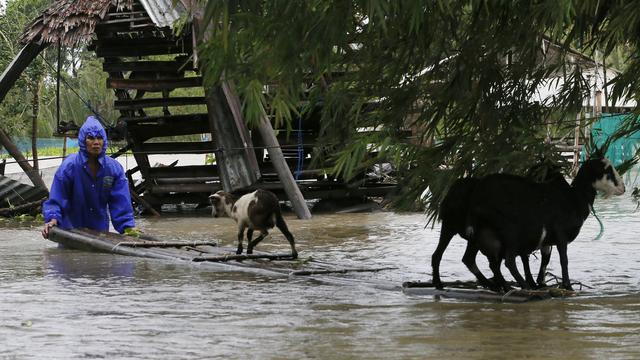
column 165, row 243
column 284, row 173
column 230, row 257
column 338, row 271
column 13, row 150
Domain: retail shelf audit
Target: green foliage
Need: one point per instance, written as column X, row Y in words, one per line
column 16, row 109
column 460, row 73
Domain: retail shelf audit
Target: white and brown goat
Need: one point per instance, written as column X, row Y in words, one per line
column 259, row 210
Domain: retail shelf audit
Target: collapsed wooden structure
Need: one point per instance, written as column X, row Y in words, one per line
column 142, row 55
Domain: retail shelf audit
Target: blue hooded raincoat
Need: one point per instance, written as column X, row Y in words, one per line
column 78, row 200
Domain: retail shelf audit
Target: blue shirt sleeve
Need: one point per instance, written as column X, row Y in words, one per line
column 58, row 197
column 120, row 204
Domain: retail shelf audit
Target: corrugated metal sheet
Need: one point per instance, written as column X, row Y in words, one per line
column 162, row 12
column 14, row 193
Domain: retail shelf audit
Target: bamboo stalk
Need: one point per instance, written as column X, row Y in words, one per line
column 230, row 257
column 165, row 243
column 338, row 271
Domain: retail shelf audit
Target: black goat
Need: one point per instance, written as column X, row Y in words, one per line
column 512, row 216
column 259, row 210
column 453, row 213
column 505, row 216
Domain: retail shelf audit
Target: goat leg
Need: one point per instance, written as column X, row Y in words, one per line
column 510, row 263
column 498, row 280
column 282, row 226
column 446, row 233
column 255, row 242
column 527, row 271
column 469, row 259
column 564, row 263
column 240, row 238
column 545, row 256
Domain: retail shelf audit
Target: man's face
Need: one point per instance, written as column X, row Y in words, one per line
column 94, row 145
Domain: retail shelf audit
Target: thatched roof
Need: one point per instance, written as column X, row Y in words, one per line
column 72, row 22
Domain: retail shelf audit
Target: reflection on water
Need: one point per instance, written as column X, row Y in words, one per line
column 65, row 304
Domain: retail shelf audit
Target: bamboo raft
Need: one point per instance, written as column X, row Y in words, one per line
column 469, row 290
column 207, row 253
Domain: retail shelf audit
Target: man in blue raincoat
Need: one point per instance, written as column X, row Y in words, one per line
column 87, row 185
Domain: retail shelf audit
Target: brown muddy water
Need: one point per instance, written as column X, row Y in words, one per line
column 67, row 304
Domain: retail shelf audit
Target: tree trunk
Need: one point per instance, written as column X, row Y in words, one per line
column 34, row 122
column 13, row 150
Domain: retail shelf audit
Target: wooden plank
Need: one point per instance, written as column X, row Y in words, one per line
column 149, row 131
column 142, row 50
column 134, row 20
column 164, row 119
column 184, row 171
column 128, row 13
column 134, row 104
column 185, row 188
column 113, row 30
column 234, row 163
column 123, row 41
column 198, row 147
column 470, row 292
column 154, row 85
column 151, row 66
column 186, row 180
column 159, row 199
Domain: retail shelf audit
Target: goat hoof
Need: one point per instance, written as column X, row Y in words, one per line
column 239, row 251
column 249, row 251
column 294, row 255
column 567, row 287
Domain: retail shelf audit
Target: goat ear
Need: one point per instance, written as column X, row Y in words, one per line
column 597, row 153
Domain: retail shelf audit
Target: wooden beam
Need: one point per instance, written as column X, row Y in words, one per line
column 284, row 174
column 187, row 180
column 154, row 84
column 148, row 131
column 121, row 151
column 165, row 119
column 184, row 171
column 200, row 147
column 185, row 188
column 17, row 66
column 150, row 66
column 13, row 150
column 233, row 160
column 142, row 50
column 158, row 102
column 157, row 200
column 133, row 20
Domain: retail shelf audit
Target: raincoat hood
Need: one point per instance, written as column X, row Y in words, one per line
column 91, row 127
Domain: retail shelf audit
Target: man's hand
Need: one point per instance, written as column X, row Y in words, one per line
column 134, row 232
column 47, row 227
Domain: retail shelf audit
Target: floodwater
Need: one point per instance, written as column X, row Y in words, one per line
column 67, row 304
